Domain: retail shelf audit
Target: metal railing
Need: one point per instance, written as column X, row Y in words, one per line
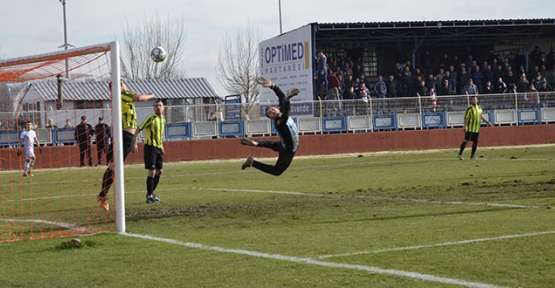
column 324, row 116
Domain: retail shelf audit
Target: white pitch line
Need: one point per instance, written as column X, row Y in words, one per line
column 436, row 245
column 425, row 201
column 371, row 269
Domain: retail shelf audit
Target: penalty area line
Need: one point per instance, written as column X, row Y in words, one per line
column 436, row 245
column 371, row 269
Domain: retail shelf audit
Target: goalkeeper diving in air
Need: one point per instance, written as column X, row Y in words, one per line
column 286, row 128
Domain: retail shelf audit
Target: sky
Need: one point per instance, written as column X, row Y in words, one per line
column 29, row 27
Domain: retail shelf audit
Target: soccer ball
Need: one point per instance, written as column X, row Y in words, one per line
column 158, row 54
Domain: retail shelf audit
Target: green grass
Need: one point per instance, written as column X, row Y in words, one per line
column 408, row 212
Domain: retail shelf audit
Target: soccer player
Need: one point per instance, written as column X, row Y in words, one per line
column 472, row 121
column 129, row 119
column 153, row 150
column 28, row 138
column 287, row 131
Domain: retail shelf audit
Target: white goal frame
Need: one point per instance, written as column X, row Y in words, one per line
column 113, row 48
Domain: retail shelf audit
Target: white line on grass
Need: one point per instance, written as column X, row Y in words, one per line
column 377, row 270
column 425, row 201
column 436, row 245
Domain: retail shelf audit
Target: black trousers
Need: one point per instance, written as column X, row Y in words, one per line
column 85, row 149
column 100, row 148
column 284, row 159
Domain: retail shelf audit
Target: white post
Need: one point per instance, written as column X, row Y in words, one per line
column 118, row 138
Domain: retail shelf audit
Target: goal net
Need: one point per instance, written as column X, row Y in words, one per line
column 54, row 194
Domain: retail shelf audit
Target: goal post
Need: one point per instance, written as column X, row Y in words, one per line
column 60, row 197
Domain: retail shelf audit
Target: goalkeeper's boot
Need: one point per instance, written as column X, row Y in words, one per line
column 460, row 157
column 248, row 142
column 472, row 157
column 247, row 163
column 103, row 201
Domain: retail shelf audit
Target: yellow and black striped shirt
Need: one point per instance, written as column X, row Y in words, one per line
column 154, row 126
column 473, row 118
column 128, row 113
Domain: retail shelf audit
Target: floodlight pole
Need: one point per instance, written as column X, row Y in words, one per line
column 280, row 30
column 66, row 45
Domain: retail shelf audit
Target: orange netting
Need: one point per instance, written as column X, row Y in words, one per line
column 59, row 199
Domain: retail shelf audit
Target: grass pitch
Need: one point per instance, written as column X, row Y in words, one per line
column 374, row 220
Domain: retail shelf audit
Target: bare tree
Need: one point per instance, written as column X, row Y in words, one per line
column 148, row 33
column 238, row 65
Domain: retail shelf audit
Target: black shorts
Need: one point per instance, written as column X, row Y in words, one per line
column 154, row 158
column 471, row 136
column 127, row 147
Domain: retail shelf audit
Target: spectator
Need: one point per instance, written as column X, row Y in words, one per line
column 511, row 81
column 83, row 133
column 103, row 136
column 523, row 83
column 433, row 99
column 380, row 88
column 532, row 97
column 406, row 82
column 362, row 102
column 445, row 89
column 499, row 72
column 545, row 87
column 477, row 78
column 349, row 99
column 68, row 125
column 462, row 81
column 453, row 77
column 333, row 86
column 470, row 88
column 212, row 116
column 322, row 69
column 500, row 86
column 439, row 78
column 332, row 97
column 50, row 124
column 488, row 75
column 488, row 88
column 422, row 90
column 430, row 82
column 391, row 86
column 349, row 83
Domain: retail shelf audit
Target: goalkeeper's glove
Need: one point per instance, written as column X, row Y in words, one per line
column 294, row 92
column 264, row 82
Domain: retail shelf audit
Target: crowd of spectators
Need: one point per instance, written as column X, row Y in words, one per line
column 343, row 77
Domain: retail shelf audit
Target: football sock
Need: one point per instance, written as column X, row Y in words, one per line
column 156, row 179
column 107, row 181
column 149, row 185
column 463, row 145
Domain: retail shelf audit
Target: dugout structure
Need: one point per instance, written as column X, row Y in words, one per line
column 59, row 201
